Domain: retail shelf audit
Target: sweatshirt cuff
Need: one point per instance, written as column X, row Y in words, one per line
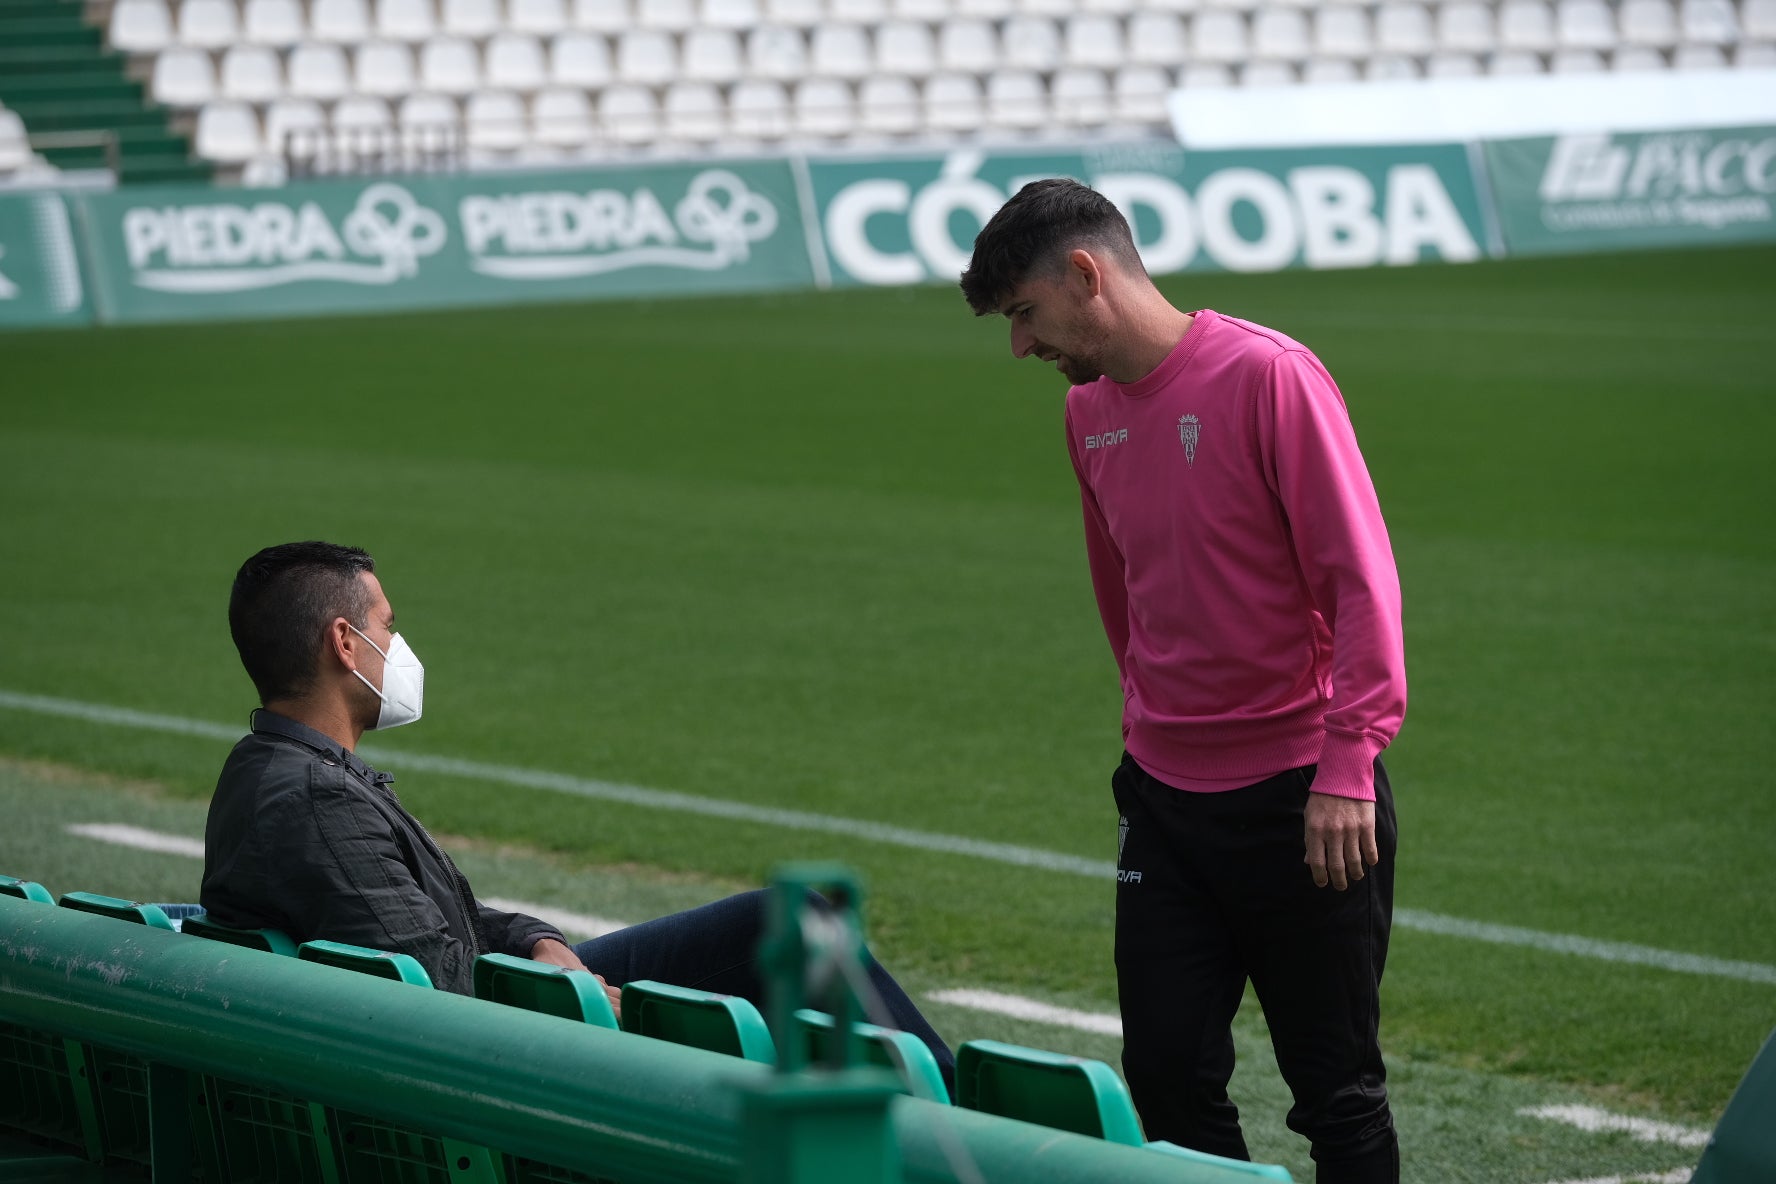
column 1347, row 766
column 529, row 941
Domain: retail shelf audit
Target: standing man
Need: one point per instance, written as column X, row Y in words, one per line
column 1248, row 589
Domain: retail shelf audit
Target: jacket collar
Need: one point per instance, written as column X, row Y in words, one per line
column 270, row 723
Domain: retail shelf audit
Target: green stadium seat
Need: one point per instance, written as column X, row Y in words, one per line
column 122, row 910
column 26, row 890
column 1258, row 1171
column 402, row 968
column 701, row 1019
column 271, row 941
column 902, row 1052
column 538, row 986
column 1046, row 1088
column 1743, row 1147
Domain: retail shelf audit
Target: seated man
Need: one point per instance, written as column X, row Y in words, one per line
column 303, row 836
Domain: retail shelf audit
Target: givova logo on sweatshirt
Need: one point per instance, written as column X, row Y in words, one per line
column 1106, row 439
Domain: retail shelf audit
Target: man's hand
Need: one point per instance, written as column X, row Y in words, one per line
column 1340, row 839
column 549, row 950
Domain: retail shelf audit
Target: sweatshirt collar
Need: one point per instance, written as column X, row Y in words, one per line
column 1173, row 364
column 270, row 723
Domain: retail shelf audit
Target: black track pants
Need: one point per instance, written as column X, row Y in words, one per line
column 1212, row 891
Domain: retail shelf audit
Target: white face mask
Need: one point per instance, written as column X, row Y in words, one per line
column 403, row 682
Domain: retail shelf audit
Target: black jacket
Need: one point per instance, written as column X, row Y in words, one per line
column 305, row 837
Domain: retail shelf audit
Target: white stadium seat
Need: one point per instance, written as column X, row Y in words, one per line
column 345, row 21
column 513, row 61
column 1057, row 9
column 888, row 106
column 1576, row 61
column 905, row 47
column 1017, row 99
column 1080, row 97
column 1756, row 56
column 561, row 116
column 1511, row 62
column 1030, row 43
column 1110, row 7
column 857, row 12
column 543, row 18
column 384, row 68
column 140, row 26
column 1321, row 71
column 629, row 114
column 953, row 103
column 1759, row 19
column 209, row 24
column 580, row 59
column 1452, row 65
column 1649, row 22
column 647, row 56
column 449, row 66
column 494, row 121
column 1637, row 58
column 183, row 78
column 759, row 109
column 252, row 74
column 1268, row 74
column 1404, row 28
column 1094, row 40
column 470, row 18
column 739, row 15
column 797, row 14
column 991, row 10
column 969, row 45
column 406, row 20
column 824, row 107
column 1466, row 27
column 1391, row 67
column 318, row 71
column 929, row 11
column 694, row 112
column 712, row 55
column 602, row 16
column 1140, row 93
column 429, row 123
column 1200, row 75
column 1233, row 5
column 1156, row 38
column 840, row 51
column 1708, row 22
column 1218, row 35
column 1526, row 25
column 277, row 23
column 1279, row 34
column 1699, row 57
column 776, row 52
column 294, row 127
column 363, row 127
column 228, row 133
column 1342, row 33
column 674, row 16
column 1585, row 24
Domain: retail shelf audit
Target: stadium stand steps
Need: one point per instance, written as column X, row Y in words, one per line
column 57, row 75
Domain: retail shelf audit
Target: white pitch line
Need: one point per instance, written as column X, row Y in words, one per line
column 142, row 840
column 1595, row 1121
column 899, row 836
column 1674, row 1176
column 578, row 925
column 1019, row 1008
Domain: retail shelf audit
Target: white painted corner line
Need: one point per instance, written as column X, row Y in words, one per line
column 1019, row 1008
column 1646, row 1130
column 142, row 840
column 930, row 842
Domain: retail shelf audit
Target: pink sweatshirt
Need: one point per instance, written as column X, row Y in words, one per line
column 1241, row 564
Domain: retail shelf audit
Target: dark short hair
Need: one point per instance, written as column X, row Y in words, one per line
column 1032, row 233
column 283, row 600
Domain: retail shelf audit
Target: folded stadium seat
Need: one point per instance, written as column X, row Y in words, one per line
column 1708, row 22
column 1323, row 71
column 1278, row 34
column 252, row 74
column 1452, row 65
column 449, row 66
column 824, row 108
column 929, row 11
column 1466, row 27
column 1049, row 8
column 1758, row 19
column 561, row 117
column 729, row 14
column 1030, row 43
column 1649, row 22
column 383, row 68
column 1156, row 38
column 758, row 109
column 277, row 23
column 339, row 20
column 1241, row 5
column 406, row 20
column 537, row 986
column 646, row 56
column 902, row 1052
column 797, row 14
column 1047, row 1088
column 470, row 18
column 856, row 12
column 701, row 1019
column 1512, row 62
column 318, row 71
column 1343, row 32
column 364, row 130
column 888, row 106
column 1699, row 57
column 133, row 911
column 295, row 128
column 228, row 133
column 1391, row 67
column 694, row 113
column 602, row 16
column 183, row 77
column 1218, row 35
column 675, row 16
column 513, row 61
column 1267, row 74
column 953, row 103
column 1093, row 41
column 1576, row 61
column 1526, row 25
column 1017, row 100
column 905, row 47
column 1140, row 93
column 140, row 26
column 13, row 139
column 1759, row 55
column 968, row 44
column 270, row 941
column 991, row 10
column 1111, row 7
column 1585, row 24
column 209, row 24
column 629, row 114
column 430, row 127
column 776, row 52
column 1080, row 97
column 494, row 122
column 712, row 55
column 580, row 59
column 1404, row 29
column 840, row 51
column 543, row 18
column 1636, row 58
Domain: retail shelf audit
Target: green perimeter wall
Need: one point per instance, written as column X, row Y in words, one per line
column 153, row 253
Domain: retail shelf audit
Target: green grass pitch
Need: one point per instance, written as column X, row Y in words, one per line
column 822, row 552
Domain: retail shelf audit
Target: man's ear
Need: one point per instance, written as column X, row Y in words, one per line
column 1084, row 270
column 342, row 643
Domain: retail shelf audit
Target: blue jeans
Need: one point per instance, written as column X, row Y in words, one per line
column 713, row 948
